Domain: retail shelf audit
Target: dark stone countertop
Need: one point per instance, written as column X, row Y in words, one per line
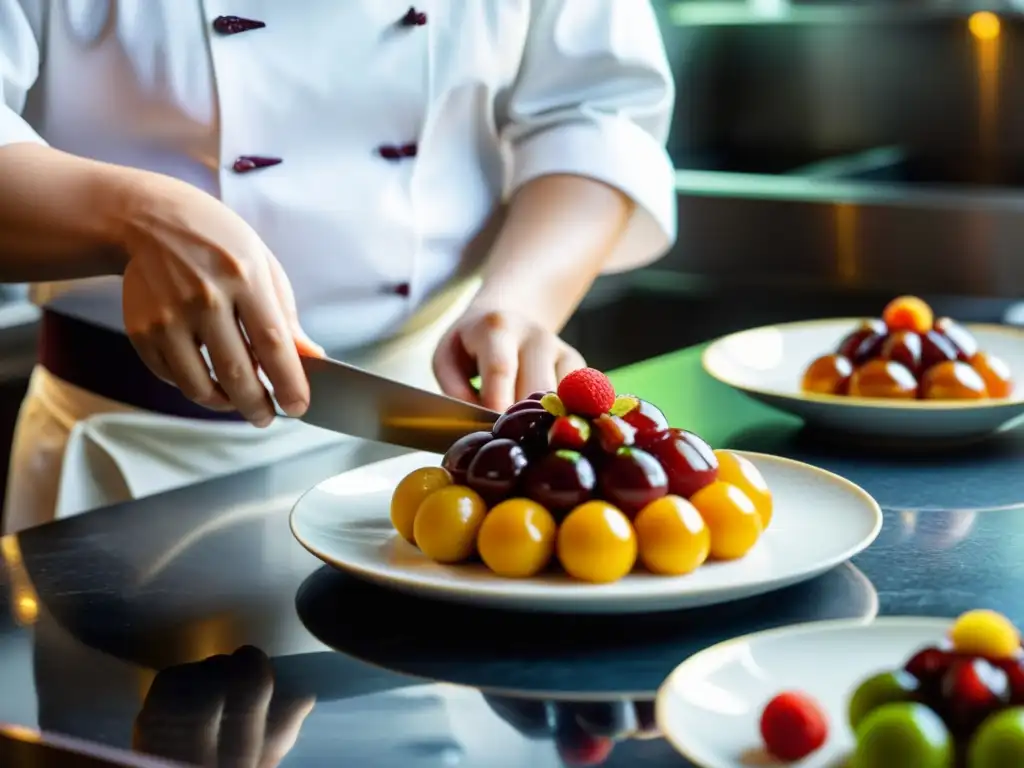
column 124, row 607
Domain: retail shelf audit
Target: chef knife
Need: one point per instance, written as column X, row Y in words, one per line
column 347, row 399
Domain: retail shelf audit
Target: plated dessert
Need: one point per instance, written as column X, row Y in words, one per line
column 907, row 354
column 588, row 480
column 959, row 702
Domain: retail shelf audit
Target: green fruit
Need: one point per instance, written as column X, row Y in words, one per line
column 902, row 735
column 878, row 690
column 999, row 741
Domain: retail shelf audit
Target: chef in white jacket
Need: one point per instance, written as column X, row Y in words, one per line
column 426, row 191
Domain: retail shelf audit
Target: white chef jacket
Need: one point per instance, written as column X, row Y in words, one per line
column 492, row 93
column 366, row 142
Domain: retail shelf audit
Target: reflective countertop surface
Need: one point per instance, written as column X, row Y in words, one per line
column 193, row 627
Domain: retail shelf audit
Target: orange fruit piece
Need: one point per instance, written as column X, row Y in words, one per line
column 740, row 471
column 517, row 538
column 994, row 372
column 596, row 543
column 672, row 536
column 828, row 375
column 883, row 379
column 447, row 523
column 908, row 313
column 410, row 493
column 732, row 518
column 953, row 380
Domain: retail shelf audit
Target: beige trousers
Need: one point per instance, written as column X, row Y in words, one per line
column 74, row 451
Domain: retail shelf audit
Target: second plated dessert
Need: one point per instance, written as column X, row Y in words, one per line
column 907, row 355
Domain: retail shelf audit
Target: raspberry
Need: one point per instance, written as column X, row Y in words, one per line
column 793, row 726
column 586, row 392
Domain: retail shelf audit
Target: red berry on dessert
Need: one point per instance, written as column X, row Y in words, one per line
column 613, row 433
column 793, row 726
column 569, row 432
column 586, row 392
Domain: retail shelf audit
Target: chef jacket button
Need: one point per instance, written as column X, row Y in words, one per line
column 414, row 18
column 247, row 163
column 232, row 25
column 397, row 151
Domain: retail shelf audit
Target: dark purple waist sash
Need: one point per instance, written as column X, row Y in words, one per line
column 103, row 361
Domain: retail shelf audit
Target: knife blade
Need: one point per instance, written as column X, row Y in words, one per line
column 353, row 401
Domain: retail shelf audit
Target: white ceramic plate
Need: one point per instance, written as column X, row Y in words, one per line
column 768, row 364
column 710, row 706
column 820, row 520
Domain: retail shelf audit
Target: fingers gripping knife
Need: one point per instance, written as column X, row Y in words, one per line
column 347, row 399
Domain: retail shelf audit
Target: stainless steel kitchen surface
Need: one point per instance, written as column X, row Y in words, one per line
column 850, row 145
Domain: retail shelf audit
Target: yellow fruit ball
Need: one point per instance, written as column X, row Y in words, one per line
column 447, row 523
column 740, row 471
column 517, row 538
column 985, row 633
column 596, row 543
column 732, row 518
column 410, row 493
column 672, row 536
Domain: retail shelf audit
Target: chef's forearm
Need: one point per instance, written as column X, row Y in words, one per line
column 557, row 237
column 58, row 215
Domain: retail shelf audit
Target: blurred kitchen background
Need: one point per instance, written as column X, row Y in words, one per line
column 829, row 155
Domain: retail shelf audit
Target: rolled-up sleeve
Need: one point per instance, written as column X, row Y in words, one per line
column 594, row 98
column 20, row 23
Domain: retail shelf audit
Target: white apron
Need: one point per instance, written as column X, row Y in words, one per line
column 74, row 451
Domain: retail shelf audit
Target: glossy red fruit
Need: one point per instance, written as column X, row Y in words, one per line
column 457, row 459
column 962, row 339
column 586, row 392
column 972, row 689
column 576, row 747
column 571, row 432
column 935, row 349
column 793, row 725
column 864, row 343
column 645, row 418
column 1014, row 670
column 632, row 479
column 929, row 665
column 688, row 461
column 528, row 427
column 903, row 347
column 613, row 433
column 495, row 470
column 560, row 481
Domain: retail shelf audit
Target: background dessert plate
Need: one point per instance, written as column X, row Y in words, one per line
column 768, row 364
column 710, row 707
column 820, row 520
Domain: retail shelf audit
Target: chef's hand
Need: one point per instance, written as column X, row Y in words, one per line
column 220, row 713
column 513, row 355
column 198, row 274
